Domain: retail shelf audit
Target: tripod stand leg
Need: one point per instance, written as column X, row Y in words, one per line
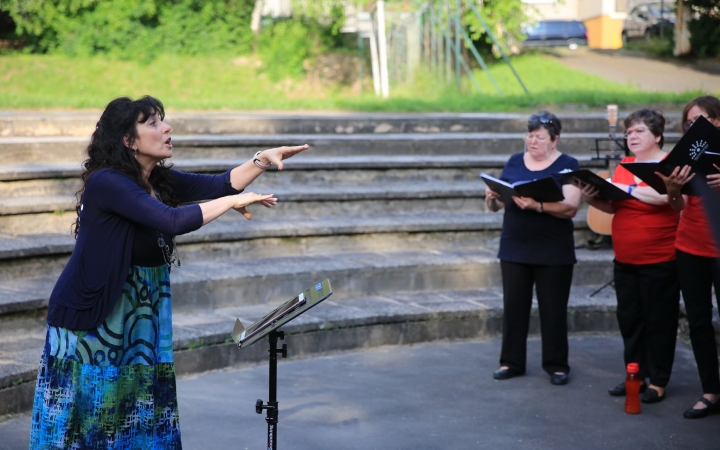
column 609, row 283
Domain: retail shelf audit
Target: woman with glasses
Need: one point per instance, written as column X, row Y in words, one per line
column 537, row 248
column 645, row 271
column 106, row 376
column 697, row 260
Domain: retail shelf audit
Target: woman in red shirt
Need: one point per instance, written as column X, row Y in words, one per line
column 697, row 258
column 646, row 277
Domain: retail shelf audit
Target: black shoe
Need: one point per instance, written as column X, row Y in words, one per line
column 712, row 408
column 558, row 379
column 505, row 374
column 652, row 396
column 619, row 390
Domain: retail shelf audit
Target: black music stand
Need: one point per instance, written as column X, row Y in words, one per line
column 268, row 326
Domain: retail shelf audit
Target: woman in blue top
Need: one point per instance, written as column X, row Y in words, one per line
column 106, row 378
column 536, row 248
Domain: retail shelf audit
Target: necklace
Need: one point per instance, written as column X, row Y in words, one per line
column 172, row 258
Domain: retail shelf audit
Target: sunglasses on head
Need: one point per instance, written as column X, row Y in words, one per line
column 541, row 118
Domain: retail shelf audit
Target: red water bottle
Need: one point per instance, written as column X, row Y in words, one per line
column 632, row 389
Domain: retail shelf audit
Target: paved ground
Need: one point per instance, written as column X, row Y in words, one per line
column 435, row 396
column 647, row 74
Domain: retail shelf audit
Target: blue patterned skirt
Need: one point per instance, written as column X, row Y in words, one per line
column 112, row 387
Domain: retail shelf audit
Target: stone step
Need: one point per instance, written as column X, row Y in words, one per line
column 24, row 150
column 302, row 169
column 45, row 255
column 326, row 193
column 83, row 124
column 201, row 339
column 233, row 282
column 56, row 214
column 394, row 170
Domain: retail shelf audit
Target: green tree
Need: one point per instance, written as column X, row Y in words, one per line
column 505, row 18
column 133, row 28
column 704, row 27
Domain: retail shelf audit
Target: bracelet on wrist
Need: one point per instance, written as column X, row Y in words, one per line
column 257, row 162
column 541, row 208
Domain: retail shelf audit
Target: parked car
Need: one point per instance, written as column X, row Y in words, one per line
column 556, row 33
column 646, row 21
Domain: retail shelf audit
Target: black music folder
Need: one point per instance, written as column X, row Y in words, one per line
column 691, row 149
column 646, row 172
column 607, row 190
column 542, row 190
column 699, row 148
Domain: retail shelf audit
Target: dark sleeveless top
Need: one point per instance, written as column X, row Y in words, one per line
column 145, row 250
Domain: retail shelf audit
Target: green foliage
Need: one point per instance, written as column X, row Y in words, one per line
column 705, row 36
column 133, row 29
column 286, row 45
column 222, row 83
column 705, row 5
column 505, row 18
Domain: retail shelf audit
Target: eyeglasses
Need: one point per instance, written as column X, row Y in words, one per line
column 542, row 118
column 688, row 124
column 639, row 130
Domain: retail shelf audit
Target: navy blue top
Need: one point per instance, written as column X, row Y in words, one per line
column 113, row 207
column 529, row 237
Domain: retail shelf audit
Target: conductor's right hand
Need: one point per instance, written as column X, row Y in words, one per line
column 248, row 198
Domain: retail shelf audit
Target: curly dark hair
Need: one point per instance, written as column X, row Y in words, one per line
column 110, row 147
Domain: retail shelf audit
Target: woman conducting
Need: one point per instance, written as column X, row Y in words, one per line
column 537, row 248
column 697, row 261
column 646, row 279
column 106, row 378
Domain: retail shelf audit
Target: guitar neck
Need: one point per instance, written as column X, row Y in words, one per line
column 613, row 156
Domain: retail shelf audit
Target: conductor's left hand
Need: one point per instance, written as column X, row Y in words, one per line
column 277, row 155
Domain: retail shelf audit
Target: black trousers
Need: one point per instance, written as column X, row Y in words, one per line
column 698, row 274
column 553, row 290
column 648, row 310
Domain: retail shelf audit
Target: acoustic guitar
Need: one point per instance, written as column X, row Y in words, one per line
column 598, row 221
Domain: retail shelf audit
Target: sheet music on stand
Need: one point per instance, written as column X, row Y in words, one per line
column 281, row 315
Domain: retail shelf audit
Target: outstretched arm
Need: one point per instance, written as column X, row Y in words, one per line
column 215, row 208
column 242, row 176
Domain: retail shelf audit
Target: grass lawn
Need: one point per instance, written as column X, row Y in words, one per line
column 214, row 83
